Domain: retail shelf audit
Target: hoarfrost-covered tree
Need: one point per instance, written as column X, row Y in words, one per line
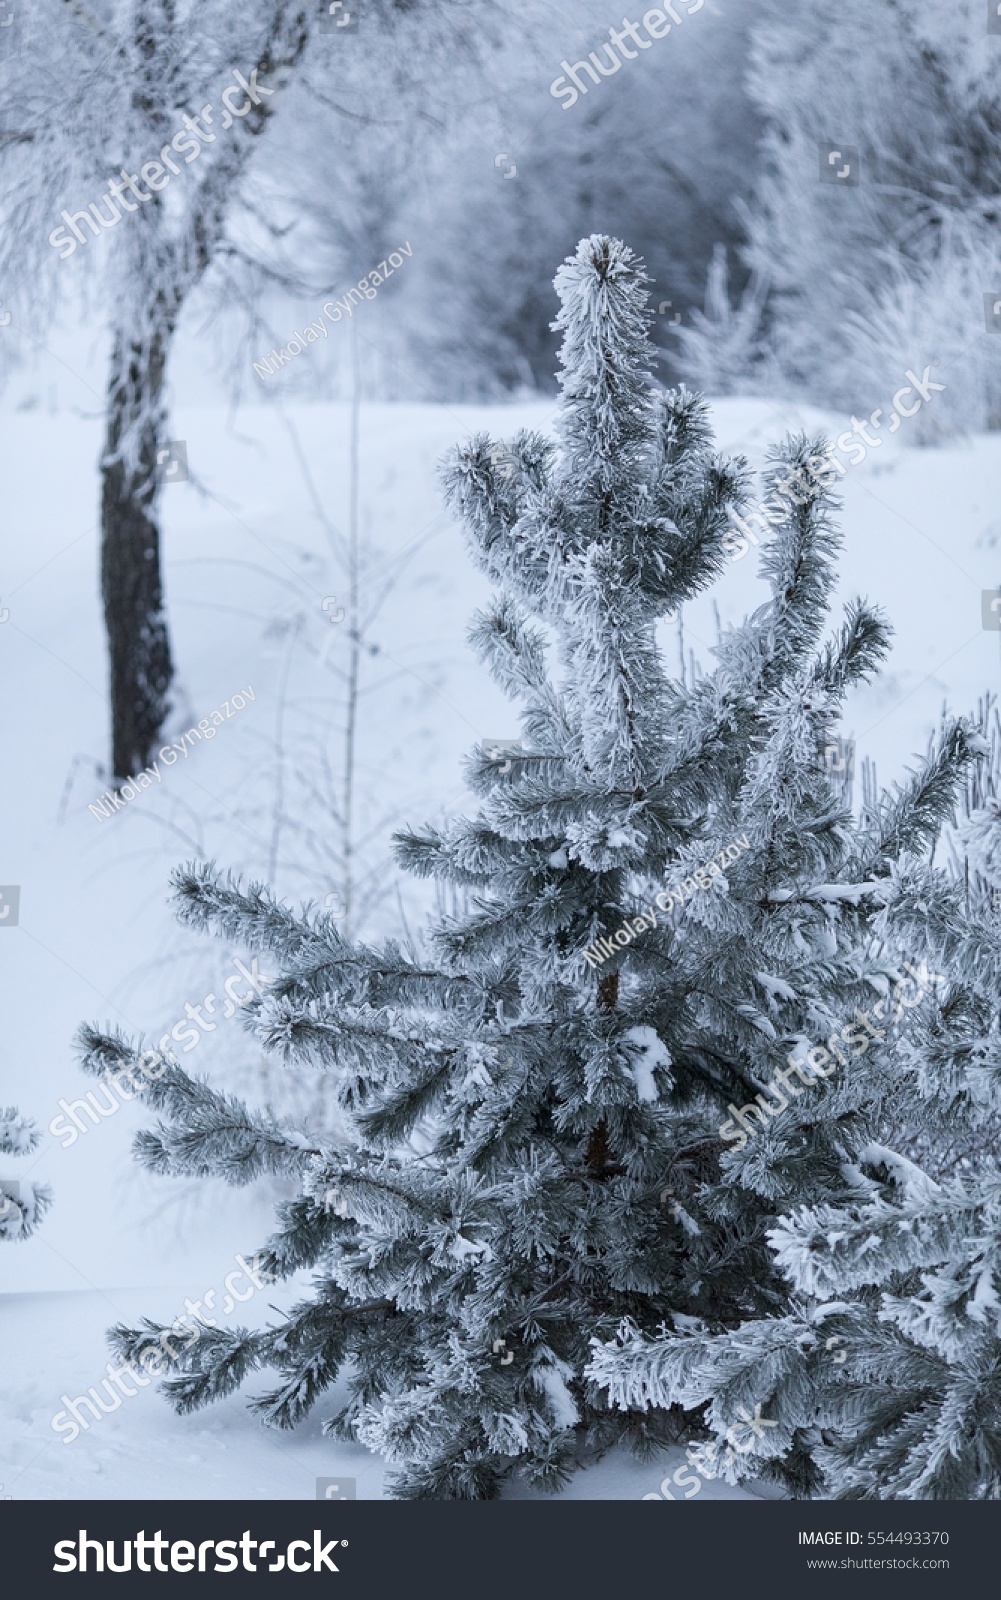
column 141, row 120
column 649, row 156
column 889, row 271
column 105, row 94
column 23, row 1203
column 886, row 1367
column 722, row 349
column 665, row 896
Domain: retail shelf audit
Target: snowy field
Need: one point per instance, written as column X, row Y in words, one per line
column 245, row 553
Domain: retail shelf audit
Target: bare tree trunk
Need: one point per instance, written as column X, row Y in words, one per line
column 131, row 584
column 354, row 637
column 598, row 1159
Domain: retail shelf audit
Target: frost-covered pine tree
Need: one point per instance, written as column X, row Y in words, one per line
column 23, row 1203
column 887, row 1363
column 666, row 897
column 885, row 1366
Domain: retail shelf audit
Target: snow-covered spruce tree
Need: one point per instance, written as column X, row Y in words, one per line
column 23, row 1203
column 535, row 1152
column 888, row 1361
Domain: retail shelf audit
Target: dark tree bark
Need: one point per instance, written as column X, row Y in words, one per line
column 598, row 1159
column 131, row 581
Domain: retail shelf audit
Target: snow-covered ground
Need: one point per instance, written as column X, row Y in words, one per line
column 95, row 940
